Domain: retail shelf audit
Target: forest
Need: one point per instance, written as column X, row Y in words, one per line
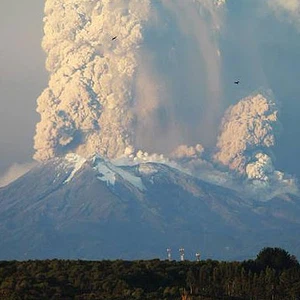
column 273, row 274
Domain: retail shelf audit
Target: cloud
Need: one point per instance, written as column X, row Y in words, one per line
column 199, row 22
column 248, row 126
column 287, row 10
column 15, row 171
column 160, row 77
column 247, row 134
column 287, row 5
column 86, row 107
column 157, row 87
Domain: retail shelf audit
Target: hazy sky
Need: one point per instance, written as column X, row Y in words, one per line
column 260, row 49
column 22, row 78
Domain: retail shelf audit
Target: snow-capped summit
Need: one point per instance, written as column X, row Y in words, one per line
column 73, row 207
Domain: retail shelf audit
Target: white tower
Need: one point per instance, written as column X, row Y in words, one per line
column 169, row 254
column 181, row 251
column 197, row 256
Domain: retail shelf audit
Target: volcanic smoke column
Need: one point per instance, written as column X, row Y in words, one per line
column 179, row 87
column 86, row 107
column 247, row 128
column 247, row 134
column 159, row 77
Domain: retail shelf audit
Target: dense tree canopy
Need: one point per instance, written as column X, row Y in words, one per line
column 276, row 258
column 274, row 274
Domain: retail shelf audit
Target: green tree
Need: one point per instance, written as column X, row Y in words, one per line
column 276, row 258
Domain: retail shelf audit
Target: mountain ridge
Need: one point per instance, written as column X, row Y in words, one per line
column 106, row 211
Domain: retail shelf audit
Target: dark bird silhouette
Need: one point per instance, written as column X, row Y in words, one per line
column 114, row 38
column 237, row 82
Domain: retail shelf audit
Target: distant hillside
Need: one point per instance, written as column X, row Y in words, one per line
column 274, row 274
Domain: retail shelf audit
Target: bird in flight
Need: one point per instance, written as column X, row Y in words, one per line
column 237, row 82
column 114, row 38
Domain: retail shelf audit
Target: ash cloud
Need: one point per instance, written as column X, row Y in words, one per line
column 15, row 171
column 105, row 95
column 185, row 75
column 287, row 10
column 247, row 127
column 247, row 134
column 157, row 87
column 86, row 107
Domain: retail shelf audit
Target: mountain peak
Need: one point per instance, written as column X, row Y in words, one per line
column 92, row 208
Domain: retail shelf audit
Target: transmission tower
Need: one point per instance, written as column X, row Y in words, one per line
column 181, row 251
column 169, row 254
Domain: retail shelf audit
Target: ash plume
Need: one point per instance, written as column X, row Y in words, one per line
column 181, row 91
column 86, row 107
column 106, row 89
column 133, row 78
column 247, row 134
column 15, row 171
column 247, row 127
column 287, row 10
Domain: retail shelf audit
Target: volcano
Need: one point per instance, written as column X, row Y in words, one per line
column 75, row 208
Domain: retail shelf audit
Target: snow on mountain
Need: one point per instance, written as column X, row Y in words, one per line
column 77, row 161
column 108, row 172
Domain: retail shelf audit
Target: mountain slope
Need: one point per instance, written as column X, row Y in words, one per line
column 73, row 208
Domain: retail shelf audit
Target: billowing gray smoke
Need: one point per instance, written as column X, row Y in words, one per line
column 106, row 95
